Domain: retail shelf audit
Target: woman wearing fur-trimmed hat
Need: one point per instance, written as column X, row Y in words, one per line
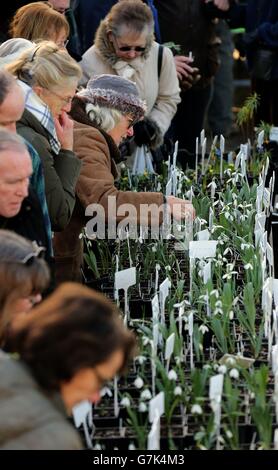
column 125, row 46
column 104, row 113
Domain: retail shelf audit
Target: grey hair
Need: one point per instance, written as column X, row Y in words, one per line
column 7, row 81
column 11, row 141
column 104, row 118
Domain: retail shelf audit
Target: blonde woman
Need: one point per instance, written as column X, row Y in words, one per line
column 48, row 77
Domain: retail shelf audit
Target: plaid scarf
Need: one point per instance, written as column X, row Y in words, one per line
column 42, row 113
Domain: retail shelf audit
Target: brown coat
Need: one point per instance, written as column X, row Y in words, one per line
column 96, row 182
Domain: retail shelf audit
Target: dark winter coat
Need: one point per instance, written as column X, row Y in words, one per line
column 60, row 171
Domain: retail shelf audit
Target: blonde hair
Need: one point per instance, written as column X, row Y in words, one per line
column 38, row 21
column 104, row 118
column 45, row 65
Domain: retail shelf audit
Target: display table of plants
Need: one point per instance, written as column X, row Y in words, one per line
column 202, row 305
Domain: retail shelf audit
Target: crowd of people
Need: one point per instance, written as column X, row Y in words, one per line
column 83, row 85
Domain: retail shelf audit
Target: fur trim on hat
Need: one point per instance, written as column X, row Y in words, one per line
column 114, row 92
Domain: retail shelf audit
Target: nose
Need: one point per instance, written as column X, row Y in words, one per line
column 131, row 54
column 23, row 188
column 130, row 132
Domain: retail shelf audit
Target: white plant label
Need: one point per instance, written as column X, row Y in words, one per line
column 169, row 346
column 125, row 278
column 275, row 291
column 154, row 436
column 203, row 235
column 202, row 249
column 168, row 189
column 163, row 294
column 207, row 272
column 156, row 406
column 211, row 216
column 204, row 148
column 260, row 140
column 273, row 135
column 216, row 387
column 202, row 137
column 116, row 397
column 80, row 411
column 155, row 308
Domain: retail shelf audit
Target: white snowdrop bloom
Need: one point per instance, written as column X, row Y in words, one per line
column 125, row 402
column 203, row 329
column 146, row 340
column 231, row 361
column 140, row 240
column 146, row 394
column 196, row 409
column 178, row 360
column 215, row 293
column 80, row 236
column 168, row 268
column 131, row 446
column 235, row 301
column 207, row 366
column 172, row 375
column 218, row 303
column 138, row 382
column 234, row 374
column 97, row 447
column 215, row 367
column 218, row 311
column 106, row 391
column 231, row 315
column 222, row 369
column 248, row 266
column 123, row 167
column 252, row 395
column 229, row 434
column 245, row 246
column 142, row 407
column 178, row 391
column 228, row 250
column 141, row 359
column 154, row 249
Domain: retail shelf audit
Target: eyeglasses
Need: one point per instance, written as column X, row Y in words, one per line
column 129, row 48
column 38, row 252
column 63, row 43
column 67, row 100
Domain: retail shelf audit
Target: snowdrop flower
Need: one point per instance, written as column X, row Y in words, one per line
column 97, row 447
column 222, row 369
column 146, row 394
column 207, row 366
column 178, row 360
column 248, row 266
column 80, row 236
column 146, row 341
column 231, row 361
column 231, row 315
column 106, row 391
column 140, row 359
column 196, row 409
column 218, row 303
column 218, row 311
column 203, row 328
column 142, row 407
column 154, row 249
column 172, row 375
column 215, row 293
column 168, row 268
column 235, row 301
column 125, row 402
column 138, row 382
column 229, row 434
column 131, row 446
column 234, row 374
column 178, row 391
column 245, row 246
